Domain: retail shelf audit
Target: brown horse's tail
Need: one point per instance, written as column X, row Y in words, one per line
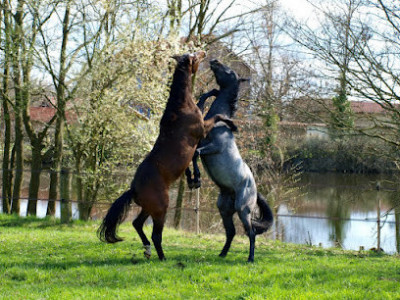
column 264, row 222
column 107, row 231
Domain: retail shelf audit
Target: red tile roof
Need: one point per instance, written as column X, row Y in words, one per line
column 45, row 114
column 366, row 107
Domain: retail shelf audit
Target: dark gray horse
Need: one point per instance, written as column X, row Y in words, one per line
column 223, row 163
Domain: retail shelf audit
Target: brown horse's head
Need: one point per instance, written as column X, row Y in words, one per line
column 191, row 60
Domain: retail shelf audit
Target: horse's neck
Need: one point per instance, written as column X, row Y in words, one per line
column 224, row 103
column 181, row 88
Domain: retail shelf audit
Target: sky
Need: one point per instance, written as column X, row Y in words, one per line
column 299, row 8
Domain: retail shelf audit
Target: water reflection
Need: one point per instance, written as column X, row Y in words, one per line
column 333, row 209
column 340, row 210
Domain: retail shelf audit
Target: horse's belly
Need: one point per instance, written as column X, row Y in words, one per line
column 223, row 171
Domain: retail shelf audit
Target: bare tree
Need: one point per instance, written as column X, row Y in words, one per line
column 332, row 43
column 207, row 21
column 274, row 65
column 375, row 73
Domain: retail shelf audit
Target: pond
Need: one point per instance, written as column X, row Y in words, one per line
column 342, row 210
column 330, row 209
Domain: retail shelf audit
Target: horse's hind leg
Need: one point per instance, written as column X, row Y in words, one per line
column 226, row 209
column 244, row 213
column 158, row 226
column 138, row 225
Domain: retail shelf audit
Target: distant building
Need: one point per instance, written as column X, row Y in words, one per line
column 309, row 117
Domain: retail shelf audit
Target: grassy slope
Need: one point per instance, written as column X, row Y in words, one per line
column 40, row 259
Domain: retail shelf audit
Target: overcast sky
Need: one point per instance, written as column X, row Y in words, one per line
column 299, row 8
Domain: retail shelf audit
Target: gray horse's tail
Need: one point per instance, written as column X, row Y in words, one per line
column 107, row 231
column 264, row 222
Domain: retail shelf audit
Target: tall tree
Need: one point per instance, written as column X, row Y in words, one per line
column 6, row 101
column 36, row 135
column 59, row 81
column 16, row 74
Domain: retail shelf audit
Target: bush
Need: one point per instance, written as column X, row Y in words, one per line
column 351, row 154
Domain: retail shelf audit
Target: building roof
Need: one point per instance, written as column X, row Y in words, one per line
column 45, row 114
column 362, row 107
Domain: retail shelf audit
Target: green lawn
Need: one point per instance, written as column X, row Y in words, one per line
column 41, row 259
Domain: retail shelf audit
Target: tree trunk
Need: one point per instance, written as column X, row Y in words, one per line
column 18, row 145
column 65, row 184
column 86, row 204
column 56, row 162
column 79, row 187
column 6, row 182
column 84, row 210
column 58, row 141
column 19, row 164
column 397, row 221
column 36, row 168
column 7, row 173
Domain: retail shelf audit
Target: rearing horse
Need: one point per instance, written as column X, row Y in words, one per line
column 224, row 164
column 181, row 128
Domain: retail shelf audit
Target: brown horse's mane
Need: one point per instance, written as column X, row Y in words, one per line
column 181, row 78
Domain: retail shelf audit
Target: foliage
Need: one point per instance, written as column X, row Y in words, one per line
column 356, row 154
column 43, row 259
column 342, row 115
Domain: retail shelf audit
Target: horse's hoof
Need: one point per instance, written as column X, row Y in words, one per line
column 197, row 184
column 223, row 255
column 250, row 260
column 147, row 253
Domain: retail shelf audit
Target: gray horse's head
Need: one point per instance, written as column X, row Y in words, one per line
column 225, row 76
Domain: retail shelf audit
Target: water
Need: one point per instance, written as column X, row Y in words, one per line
column 340, row 210
column 330, row 209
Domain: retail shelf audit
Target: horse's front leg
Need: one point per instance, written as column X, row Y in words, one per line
column 204, row 97
column 189, row 179
column 196, row 171
column 209, row 124
column 210, row 148
column 193, row 183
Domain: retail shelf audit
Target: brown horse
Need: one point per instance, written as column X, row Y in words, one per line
column 181, row 128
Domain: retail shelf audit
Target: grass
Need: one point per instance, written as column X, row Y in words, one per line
column 41, row 259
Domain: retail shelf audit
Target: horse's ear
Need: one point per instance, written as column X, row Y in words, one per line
column 244, row 80
column 194, row 62
column 176, row 57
